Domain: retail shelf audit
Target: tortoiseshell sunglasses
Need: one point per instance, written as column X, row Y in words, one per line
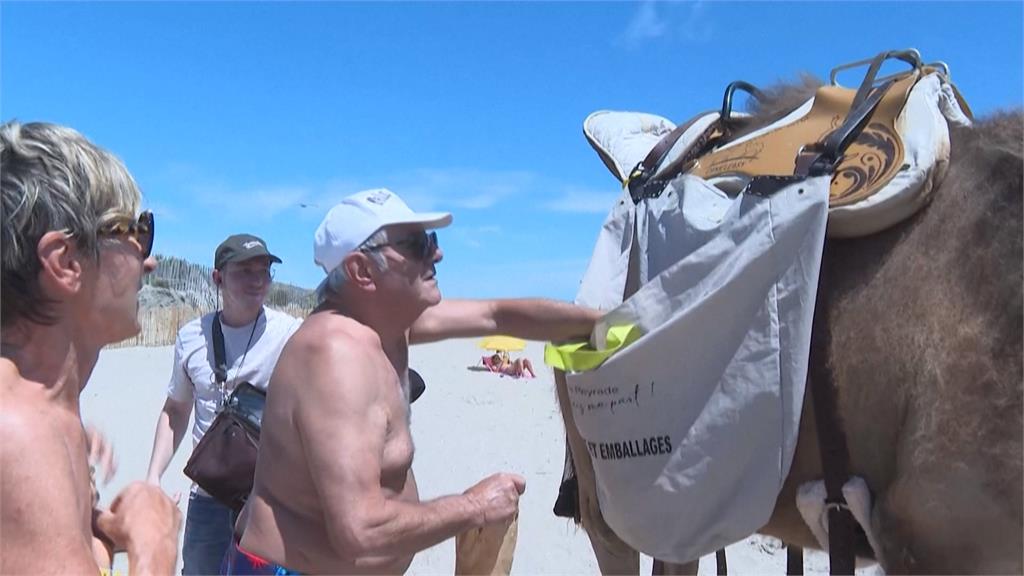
column 142, row 230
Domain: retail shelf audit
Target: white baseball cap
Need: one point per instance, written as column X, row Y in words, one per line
column 358, row 217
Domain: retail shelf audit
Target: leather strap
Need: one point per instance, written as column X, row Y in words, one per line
column 839, row 140
column 865, row 101
column 835, row 456
column 831, row 439
column 823, row 159
column 794, row 560
column 642, row 182
column 220, row 365
column 657, row 154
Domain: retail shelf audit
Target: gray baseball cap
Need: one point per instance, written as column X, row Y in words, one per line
column 241, row 247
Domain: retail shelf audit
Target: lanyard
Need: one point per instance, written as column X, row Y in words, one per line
column 220, row 369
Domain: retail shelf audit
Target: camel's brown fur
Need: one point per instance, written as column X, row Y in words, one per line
column 926, row 328
column 926, row 347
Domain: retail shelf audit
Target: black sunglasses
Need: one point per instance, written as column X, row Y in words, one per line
column 421, row 245
column 142, row 230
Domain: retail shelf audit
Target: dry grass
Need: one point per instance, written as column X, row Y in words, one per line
column 160, row 325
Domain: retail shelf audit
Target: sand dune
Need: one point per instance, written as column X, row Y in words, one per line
column 467, row 425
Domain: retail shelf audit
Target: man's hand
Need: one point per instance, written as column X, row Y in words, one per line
column 101, row 453
column 497, row 496
column 102, row 548
column 143, row 521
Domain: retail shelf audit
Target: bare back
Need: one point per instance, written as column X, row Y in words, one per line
column 335, row 408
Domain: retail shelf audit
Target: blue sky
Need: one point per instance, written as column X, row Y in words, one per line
column 257, row 117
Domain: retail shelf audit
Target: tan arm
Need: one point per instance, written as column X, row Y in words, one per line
column 528, row 318
column 171, row 425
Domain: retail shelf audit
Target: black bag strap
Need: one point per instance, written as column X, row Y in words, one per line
column 220, row 365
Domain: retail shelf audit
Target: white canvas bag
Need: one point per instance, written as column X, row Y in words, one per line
column 692, row 427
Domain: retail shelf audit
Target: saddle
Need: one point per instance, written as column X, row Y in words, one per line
column 886, row 143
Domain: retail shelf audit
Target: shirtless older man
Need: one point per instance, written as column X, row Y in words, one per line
column 334, row 489
column 74, row 251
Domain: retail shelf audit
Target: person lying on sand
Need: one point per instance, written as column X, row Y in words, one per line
column 501, row 363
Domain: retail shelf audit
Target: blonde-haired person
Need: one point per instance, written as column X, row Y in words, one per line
column 74, row 250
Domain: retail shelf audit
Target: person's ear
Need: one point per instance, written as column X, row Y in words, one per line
column 60, row 273
column 217, row 277
column 359, row 271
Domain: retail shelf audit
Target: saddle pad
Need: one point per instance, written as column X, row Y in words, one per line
column 622, row 139
column 692, row 426
column 923, row 130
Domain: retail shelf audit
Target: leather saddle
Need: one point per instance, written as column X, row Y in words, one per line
column 885, row 143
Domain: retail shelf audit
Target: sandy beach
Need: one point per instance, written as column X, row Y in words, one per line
column 469, row 424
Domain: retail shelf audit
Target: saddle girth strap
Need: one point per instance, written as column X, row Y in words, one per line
column 831, row 439
column 794, row 560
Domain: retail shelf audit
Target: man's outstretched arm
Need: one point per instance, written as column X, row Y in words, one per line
column 528, row 318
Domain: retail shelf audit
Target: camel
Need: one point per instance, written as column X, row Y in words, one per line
column 925, row 347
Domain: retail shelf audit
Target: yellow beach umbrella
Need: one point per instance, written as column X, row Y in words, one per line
column 502, row 343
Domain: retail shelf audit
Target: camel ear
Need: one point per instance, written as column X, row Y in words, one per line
column 60, row 274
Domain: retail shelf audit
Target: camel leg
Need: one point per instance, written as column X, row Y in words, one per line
column 928, row 523
column 616, row 561
column 668, row 568
column 613, row 555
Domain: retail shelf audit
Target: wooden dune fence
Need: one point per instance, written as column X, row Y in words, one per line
column 160, row 325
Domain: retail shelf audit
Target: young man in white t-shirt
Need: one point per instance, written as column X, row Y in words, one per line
column 253, row 338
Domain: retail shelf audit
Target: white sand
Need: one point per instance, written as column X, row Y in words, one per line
column 468, row 424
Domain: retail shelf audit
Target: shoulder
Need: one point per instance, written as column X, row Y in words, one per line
column 28, row 430
column 195, row 330
column 328, row 348
column 334, row 333
column 25, row 415
column 281, row 321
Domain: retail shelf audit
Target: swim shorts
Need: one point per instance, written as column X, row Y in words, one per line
column 241, row 561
